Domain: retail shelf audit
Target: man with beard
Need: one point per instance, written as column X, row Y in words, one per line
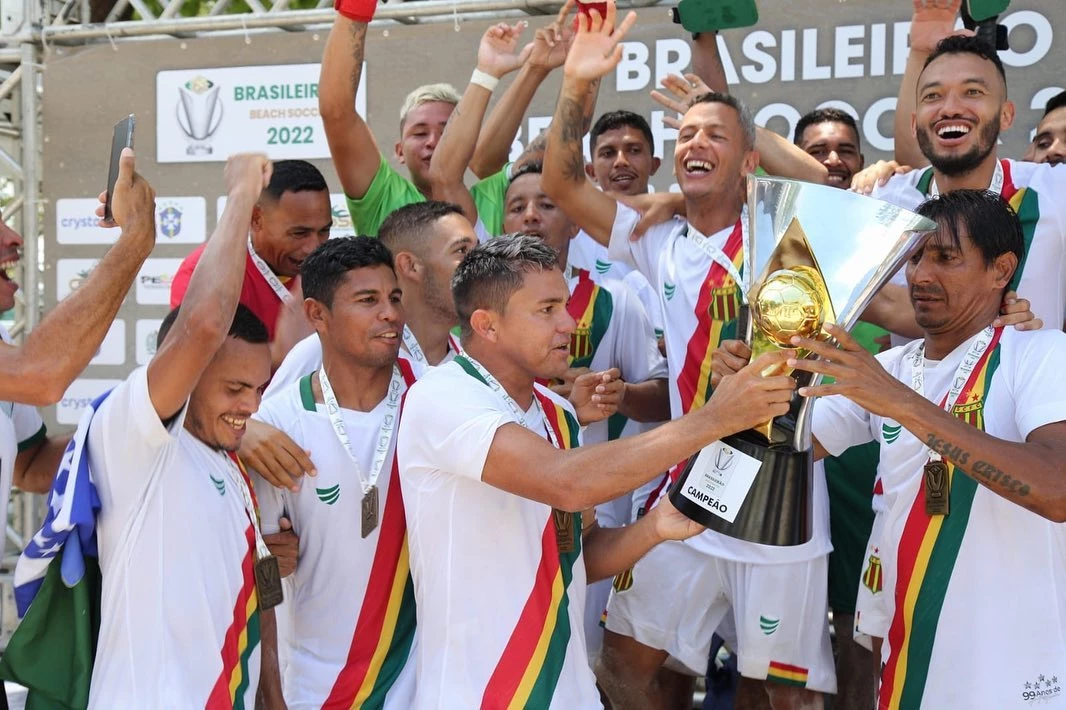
column 962, row 107
column 1049, row 143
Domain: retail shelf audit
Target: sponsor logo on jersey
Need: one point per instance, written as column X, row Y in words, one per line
column 668, row 291
column 220, row 485
column 330, row 495
column 602, row 267
column 768, row 624
column 890, row 432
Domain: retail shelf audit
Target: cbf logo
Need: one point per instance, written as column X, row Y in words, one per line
column 169, row 221
column 199, row 113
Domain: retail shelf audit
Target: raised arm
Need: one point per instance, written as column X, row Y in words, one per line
column 496, row 56
column 932, row 21
column 595, row 51
column 549, row 52
column 57, row 350
column 214, row 290
column 356, row 155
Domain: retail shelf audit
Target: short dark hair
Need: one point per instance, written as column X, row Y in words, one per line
column 494, row 270
column 747, row 123
column 620, row 119
column 1055, row 103
column 962, row 44
column 533, row 167
column 245, row 326
column 406, row 227
column 827, row 115
column 992, row 224
column 294, row 176
column 324, row 269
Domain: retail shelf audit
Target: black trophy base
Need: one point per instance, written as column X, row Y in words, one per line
column 777, row 509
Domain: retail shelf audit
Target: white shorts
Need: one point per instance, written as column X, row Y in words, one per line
column 679, row 597
column 874, row 604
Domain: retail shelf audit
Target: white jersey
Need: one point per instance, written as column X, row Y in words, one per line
column 985, row 586
column 179, row 611
column 306, row 356
column 1035, row 191
column 588, row 254
column 350, row 612
column 499, row 607
column 700, row 303
column 21, row 428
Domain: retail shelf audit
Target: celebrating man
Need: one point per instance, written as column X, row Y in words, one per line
column 179, row 542
column 494, row 490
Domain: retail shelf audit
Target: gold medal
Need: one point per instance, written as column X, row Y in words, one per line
column 370, row 510
column 268, row 582
column 564, row 530
column 937, row 487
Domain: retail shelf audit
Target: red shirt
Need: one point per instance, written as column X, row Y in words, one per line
column 256, row 293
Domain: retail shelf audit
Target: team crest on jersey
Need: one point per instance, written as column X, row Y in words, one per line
column 890, row 432
column 220, row 485
column 873, row 578
column 725, row 304
column 623, row 581
column 960, row 410
column 330, row 495
column 581, row 342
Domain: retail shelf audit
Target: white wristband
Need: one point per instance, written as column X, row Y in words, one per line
column 484, row 80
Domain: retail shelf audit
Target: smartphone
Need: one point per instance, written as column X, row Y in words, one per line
column 122, row 138
column 981, row 10
column 714, row 15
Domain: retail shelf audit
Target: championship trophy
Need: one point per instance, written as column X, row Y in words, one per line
column 813, row 255
column 199, row 113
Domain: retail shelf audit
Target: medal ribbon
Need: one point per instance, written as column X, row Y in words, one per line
column 271, row 278
column 251, row 506
column 516, row 410
column 388, row 423
column 719, row 257
column 959, row 381
column 410, row 343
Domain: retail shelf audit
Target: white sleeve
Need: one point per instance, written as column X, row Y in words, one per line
column 29, row 427
column 653, row 308
column 305, row 357
column 1039, row 387
column 272, row 500
column 445, row 430
column 838, row 424
column 132, row 443
column 635, row 347
column 641, row 254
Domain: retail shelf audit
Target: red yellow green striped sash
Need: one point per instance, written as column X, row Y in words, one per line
column 787, row 674
column 532, row 661
column 716, row 311
column 591, row 306
column 242, row 637
column 926, row 557
column 1025, row 202
column 385, row 629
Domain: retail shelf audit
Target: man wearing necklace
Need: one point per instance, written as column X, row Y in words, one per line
column 494, row 489
column 289, row 220
column 179, row 543
column 351, row 616
column 971, row 422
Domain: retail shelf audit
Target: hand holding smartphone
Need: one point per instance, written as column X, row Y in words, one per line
column 122, row 138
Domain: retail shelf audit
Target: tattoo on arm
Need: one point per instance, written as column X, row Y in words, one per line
column 571, row 115
column 358, row 38
column 993, row 476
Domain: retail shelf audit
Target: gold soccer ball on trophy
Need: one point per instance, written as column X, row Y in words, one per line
column 788, row 304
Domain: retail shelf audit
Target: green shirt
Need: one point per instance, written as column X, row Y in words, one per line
column 390, row 191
